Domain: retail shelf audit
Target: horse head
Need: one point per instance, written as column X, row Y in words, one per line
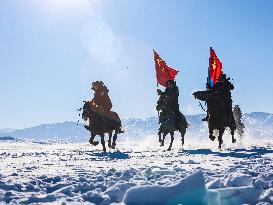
column 161, row 103
column 91, row 110
column 86, row 110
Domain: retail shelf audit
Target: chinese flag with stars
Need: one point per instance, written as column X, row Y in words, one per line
column 163, row 72
column 215, row 68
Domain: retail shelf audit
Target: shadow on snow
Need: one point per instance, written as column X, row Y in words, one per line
column 110, row 155
column 237, row 153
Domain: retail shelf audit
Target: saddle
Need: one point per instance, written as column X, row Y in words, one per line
column 106, row 115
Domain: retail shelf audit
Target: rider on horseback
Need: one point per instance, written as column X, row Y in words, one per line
column 102, row 102
column 170, row 118
column 100, row 117
column 219, row 104
column 222, row 89
column 171, row 93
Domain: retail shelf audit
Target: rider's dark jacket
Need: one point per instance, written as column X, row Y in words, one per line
column 172, row 96
column 223, row 90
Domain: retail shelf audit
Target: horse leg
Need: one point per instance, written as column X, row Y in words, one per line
column 103, row 142
column 159, row 137
column 110, row 138
column 232, row 131
column 91, row 140
column 163, row 139
column 172, row 138
column 232, row 127
column 211, row 134
column 183, row 132
column 114, row 139
column 220, row 138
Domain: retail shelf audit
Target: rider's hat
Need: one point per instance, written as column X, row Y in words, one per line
column 97, row 83
column 171, row 82
column 222, row 76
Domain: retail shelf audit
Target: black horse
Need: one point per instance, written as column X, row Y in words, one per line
column 217, row 118
column 168, row 121
column 101, row 123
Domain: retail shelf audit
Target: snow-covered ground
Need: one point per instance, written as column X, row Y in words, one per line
column 137, row 172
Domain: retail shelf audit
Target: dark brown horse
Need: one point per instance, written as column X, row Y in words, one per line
column 168, row 121
column 101, row 123
column 217, row 117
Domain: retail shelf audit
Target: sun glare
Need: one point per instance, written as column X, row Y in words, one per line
column 67, row 5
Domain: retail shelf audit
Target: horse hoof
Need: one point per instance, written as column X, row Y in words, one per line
column 104, row 149
column 162, row 144
column 233, row 140
column 94, row 143
column 212, row 137
column 169, row 149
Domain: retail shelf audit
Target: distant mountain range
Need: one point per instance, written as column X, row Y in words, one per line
column 6, row 131
column 258, row 124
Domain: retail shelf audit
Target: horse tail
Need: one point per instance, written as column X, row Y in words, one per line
column 237, row 114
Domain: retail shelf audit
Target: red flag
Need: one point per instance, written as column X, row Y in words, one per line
column 215, row 67
column 163, row 72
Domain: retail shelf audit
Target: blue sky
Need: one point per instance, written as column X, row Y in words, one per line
column 52, row 50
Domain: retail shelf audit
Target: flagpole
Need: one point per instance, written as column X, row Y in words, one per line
column 155, row 70
column 208, row 78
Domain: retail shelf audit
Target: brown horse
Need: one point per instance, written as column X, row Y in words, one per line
column 100, row 123
column 217, row 117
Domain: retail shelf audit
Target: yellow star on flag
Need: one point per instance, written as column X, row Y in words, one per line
column 214, row 64
column 158, row 61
